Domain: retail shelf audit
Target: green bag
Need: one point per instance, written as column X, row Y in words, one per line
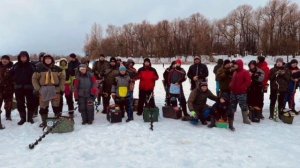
column 64, row 124
column 151, row 113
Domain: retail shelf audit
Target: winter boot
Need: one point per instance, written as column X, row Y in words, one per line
column 246, row 117
column 22, row 121
column 256, row 115
column 230, row 121
column 212, row 122
column 44, row 122
column 272, row 108
column 8, row 115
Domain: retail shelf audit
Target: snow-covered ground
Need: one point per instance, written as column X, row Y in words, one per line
column 173, row 143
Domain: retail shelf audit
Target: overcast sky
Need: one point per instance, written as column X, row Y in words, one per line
column 60, row 26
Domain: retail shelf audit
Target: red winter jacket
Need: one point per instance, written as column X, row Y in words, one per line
column 241, row 79
column 264, row 66
column 147, row 77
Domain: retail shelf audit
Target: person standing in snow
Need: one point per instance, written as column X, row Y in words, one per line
column 6, row 86
column 70, row 77
column 241, row 80
column 109, row 78
column 224, row 76
column 197, row 72
column 197, row 102
column 85, row 92
column 98, row 69
column 263, row 65
column 165, row 82
column 22, row 73
column 279, row 81
column 63, row 64
column 49, row 81
column 293, row 85
column 176, row 77
column 147, row 76
column 216, row 68
column 255, row 92
column 132, row 72
column 120, row 92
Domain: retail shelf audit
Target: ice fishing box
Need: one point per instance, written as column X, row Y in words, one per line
column 151, row 114
column 62, row 124
column 172, row 112
column 288, row 117
column 114, row 114
column 222, row 124
column 135, row 104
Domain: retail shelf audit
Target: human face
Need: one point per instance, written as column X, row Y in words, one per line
column 122, row 72
column 83, row 70
column 112, row 63
column 294, row 65
column 279, row 64
column 48, row 60
column 147, row 63
column 252, row 66
column 204, row 88
column 4, row 61
column 23, row 58
column 197, row 61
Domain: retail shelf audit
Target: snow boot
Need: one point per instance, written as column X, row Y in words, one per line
column 22, row 121
column 44, row 122
column 246, row 117
column 8, row 115
column 230, row 121
column 272, row 108
column 212, row 122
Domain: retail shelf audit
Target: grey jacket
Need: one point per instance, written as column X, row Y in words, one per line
column 121, row 81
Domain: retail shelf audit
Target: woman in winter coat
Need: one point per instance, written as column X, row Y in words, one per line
column 176, row 77
column 279, row 81
column 255, row 92
column 85, row 92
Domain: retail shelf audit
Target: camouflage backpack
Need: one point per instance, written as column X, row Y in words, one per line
column 63, row 124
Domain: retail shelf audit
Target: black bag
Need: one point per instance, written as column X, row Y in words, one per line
column 114, row 115
column 172, row 112
column 151, row 114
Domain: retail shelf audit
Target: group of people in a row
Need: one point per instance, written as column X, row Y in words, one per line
column 36, row 84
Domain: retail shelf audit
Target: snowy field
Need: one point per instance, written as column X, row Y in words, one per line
column 173, row 143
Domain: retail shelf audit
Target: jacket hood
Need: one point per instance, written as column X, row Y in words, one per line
column 63, row 60
column 46, row 56
column 23, row 53
column 240, row 64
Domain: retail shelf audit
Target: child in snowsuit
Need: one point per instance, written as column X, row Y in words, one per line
column 120, row 92
column 255, row 95
column 85, row 92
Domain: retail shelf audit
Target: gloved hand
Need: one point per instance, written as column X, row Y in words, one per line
column 193, row 114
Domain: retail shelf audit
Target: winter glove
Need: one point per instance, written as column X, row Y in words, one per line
column 193, row 114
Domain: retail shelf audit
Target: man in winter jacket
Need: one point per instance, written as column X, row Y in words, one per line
column 224, row 76
column 279, row 82
column 147, row 76
column 255, row 92
column 197, row 101
column 216, row 68
column 176, row 77
column 166, row 84
column 63, row 64
column 6, row 86
column 120, row 91
column 49, row 81
column 132, row 72
column 85, row 92
column 197, row 73
column 241, row 80
column 293, row 85
column 109, row 75
column 98, row 70
column 70, row 77
column 22, row 73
